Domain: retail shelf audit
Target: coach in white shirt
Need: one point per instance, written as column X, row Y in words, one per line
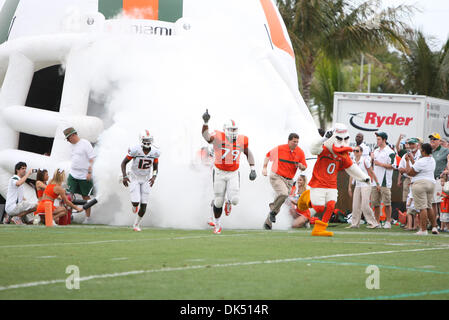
column 80, row 176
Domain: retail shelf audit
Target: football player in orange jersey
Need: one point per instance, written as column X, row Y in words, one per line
column 228, row 146
column 333, row 156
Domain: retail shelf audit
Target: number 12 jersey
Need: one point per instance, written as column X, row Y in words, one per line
column 142, row 163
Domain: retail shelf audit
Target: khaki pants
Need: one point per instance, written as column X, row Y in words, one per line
column 282, row 187
column 360, row 203
column 405, row 189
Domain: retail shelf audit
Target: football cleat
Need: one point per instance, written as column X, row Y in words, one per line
column 217, row 229
column 210, row 222
column 228, row 207
column 136, row 228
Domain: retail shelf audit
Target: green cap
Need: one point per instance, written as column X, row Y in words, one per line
column 383, row 135
column 412, row 140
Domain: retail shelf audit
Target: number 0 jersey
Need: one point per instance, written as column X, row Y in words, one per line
column 227, row 154
column 326, row 169
column 142, row 163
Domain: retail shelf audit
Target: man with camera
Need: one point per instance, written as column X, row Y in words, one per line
column 413, row 149
column 16, row 205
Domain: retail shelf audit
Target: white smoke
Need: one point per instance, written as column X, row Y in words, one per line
column 165, row 84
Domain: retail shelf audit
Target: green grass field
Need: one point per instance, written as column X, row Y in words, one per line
column 117, row 263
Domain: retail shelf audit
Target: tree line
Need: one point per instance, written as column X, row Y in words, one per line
column 344, row 45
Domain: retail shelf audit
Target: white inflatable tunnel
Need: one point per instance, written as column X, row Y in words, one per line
column 124, row 65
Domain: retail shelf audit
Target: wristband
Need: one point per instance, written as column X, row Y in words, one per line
column 252, row 167
column 154, row 173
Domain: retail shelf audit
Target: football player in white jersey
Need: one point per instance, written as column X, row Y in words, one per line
column 145, row 157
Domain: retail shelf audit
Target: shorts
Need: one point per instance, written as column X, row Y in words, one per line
column 437, row 191
column 444, row 217
column 21, row 207
column 82, row 187
column 383, row 196
column 412, row 211
column 321, row 196
column 423, row 191
column 41, row 206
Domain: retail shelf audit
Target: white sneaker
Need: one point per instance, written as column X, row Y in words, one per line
column 54, row 224
column 421, row 233
column 87, row 220
column 387, row 225
column 36, row 219
column 136, row 228
column 435, row 230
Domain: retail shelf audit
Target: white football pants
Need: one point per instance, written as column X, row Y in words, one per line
column 226, row 183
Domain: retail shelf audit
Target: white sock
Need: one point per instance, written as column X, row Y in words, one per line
column 137, row 221
column 217, row 222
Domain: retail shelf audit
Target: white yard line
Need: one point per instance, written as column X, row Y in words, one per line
column 135, row 272
column 115, row 241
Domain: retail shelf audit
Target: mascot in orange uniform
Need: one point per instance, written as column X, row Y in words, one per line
column 333, row 156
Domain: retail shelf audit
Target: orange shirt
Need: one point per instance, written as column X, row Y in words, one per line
column 326, row 168
column 285, row 161
column 227, row 154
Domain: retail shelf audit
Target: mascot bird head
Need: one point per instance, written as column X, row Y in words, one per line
column 339, row 141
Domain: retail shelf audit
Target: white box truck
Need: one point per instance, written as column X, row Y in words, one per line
column 395, row 114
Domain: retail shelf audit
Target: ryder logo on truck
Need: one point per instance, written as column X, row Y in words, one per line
column 372, row 121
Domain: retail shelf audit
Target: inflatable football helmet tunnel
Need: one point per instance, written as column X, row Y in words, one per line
column 41, row 47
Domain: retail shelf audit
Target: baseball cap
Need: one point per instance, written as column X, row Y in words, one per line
column 412, row 140
column 383, row 135
column 435, row 135
column 69, row 131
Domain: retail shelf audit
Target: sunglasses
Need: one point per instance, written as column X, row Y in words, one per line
column 434, row 139
column 356, row 150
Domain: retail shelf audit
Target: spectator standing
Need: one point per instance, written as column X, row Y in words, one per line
column 287, row 159
column 383, row 158
column 362, row 193
column 16, row 205
column 405, row 181
column 423, row 185
column 440, row 155
column 412, row 216
column 80, row 175
column 359, row 143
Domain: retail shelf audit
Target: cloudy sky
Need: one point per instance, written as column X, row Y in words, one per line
column 433, row 19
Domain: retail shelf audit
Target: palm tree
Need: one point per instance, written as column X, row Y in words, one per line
column 426, row 71
column 329, row 77
column 336, row 29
